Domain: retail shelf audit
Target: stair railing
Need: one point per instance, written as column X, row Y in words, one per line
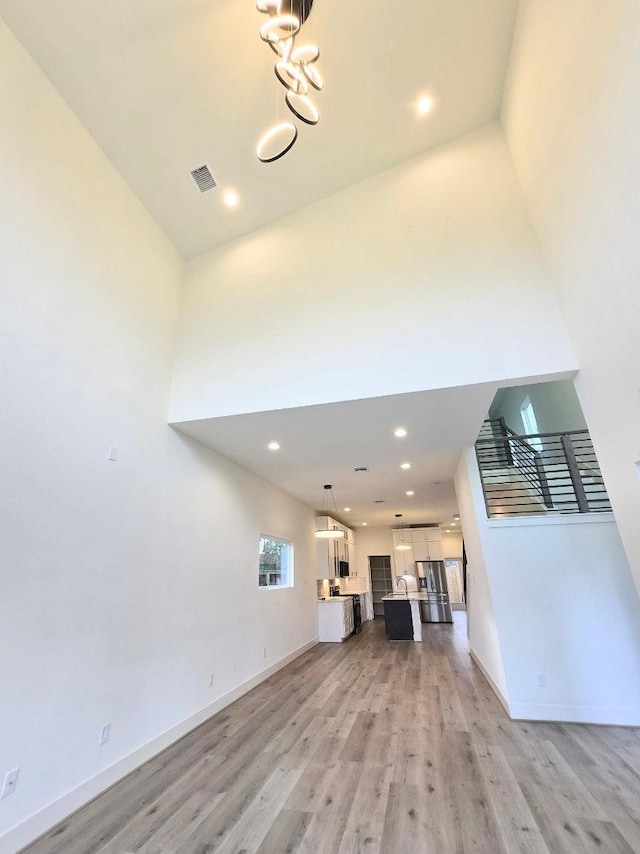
column 539, row 474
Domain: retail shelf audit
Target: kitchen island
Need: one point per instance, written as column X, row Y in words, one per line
column 402, row 622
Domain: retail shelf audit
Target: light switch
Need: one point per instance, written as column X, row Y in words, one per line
column 113, row 454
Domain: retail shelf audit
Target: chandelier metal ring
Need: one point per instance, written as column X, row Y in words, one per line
column 279, row 28
column 303, row 107
column 292, row 77
column 289, row 133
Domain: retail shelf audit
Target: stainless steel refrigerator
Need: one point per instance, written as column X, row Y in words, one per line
column 432, row 580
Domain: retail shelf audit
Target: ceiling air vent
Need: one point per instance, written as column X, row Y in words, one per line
column 203, row 178
column 361, row 468
column 379, row 501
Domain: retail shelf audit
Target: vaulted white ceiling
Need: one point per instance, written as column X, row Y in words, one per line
column 166, row 85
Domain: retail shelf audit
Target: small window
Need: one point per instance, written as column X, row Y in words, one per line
column 275, row 567
column 530, row 423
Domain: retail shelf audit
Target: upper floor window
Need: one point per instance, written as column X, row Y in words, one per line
column 275, row 565
column 530, row 423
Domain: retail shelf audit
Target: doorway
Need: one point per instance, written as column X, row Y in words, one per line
column 455, row 583
column 381, row 582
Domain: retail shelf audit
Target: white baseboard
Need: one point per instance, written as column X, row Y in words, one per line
column 574, row 714
column 555, row 713
column 503, row 700
column 40, row 822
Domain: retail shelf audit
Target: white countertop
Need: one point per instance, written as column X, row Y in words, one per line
column 411, row 596
column 336, row 599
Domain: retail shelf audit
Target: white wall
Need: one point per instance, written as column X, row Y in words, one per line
column 571, row 118
column 565, row 606
column 482, row 627
column 372, row 541
column 555, row 404
column 452, row 544
column 124, row 584
column 370, row 292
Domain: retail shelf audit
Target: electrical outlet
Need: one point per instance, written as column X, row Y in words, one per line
column 105, row 732
column 211, row 680
column 10, row 782
column 541, row 680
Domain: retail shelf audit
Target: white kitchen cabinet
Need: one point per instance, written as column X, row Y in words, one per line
column 330, row 552
column 425, row 543
column 348, row 618
column 421, row 550
column 335, row 619
column 403, row 558
column 436, row 552
column 351, row 557
column 367, row 605
column 327, row 559
column 401, row 536
column 433, row 539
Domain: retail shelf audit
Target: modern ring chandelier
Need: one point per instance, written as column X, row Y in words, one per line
column 295, row 68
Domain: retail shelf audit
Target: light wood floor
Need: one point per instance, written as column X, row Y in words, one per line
column 372, row 746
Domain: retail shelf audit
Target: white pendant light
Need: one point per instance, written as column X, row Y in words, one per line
column 328, row 533
column 402, row 547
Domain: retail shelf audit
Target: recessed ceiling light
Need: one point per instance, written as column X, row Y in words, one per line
column 273, row 446
column 400, row 432
column 405, row 466
column 410, row 492
column 365, row 523
column 453, row 523
column 456, row 517
column 424, row 105
column 231, row 198
column 347, row 509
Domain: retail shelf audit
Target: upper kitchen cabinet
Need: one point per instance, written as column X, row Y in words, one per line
column 335, row 558
column 327, row 559
column 417, row 544
column 403, row 558
column 427, row 544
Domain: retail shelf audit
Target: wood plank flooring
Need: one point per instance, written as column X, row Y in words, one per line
column 372, row 746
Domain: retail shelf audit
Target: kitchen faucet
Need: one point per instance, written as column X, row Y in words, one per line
column 406, row 586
